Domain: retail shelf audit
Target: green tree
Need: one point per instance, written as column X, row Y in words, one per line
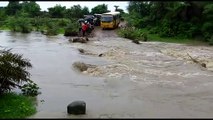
column 99, row 9
column 208, row 24
column 142, row 8
column 51, row 27
column 11, row 22
column 57, row 11
column 13, row 70
column 74, row 12
column 19, row 23
column 31, row 7
column 37, row 23
column 13, row 7
column 45, row 14
column 187, row 19
column 2, row 14
column 24, row 24
column 85, row 11
column 72, row 28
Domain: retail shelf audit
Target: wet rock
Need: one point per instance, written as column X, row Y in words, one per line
column 203, row 65
column 79, row 39
column 100, row 55
column 82, row 66
column 136, row 41
column 77, row 107
column 70, row 33
column 81, row 50
column 84, row 52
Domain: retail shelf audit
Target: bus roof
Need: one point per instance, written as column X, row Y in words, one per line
column 111, row 13
column 97, row 14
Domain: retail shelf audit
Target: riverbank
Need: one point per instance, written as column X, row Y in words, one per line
column 16, row 106
column 140, row 34
column 156, row 37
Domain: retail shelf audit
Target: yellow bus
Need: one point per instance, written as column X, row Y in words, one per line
column 110, row 20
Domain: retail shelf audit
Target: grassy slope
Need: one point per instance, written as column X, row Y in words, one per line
column 155, row 37
column 16, row 106
column 176, row 40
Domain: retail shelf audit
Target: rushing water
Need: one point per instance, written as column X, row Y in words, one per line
column 137, row 81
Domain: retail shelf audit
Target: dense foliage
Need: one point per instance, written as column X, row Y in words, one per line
column 26, row 16
column 99, row 9
column 30, row 89
column 72, row 28
column 188, row 19
column 13, row 70
column 16, row 106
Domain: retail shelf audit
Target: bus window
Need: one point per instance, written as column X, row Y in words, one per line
column 107, row 19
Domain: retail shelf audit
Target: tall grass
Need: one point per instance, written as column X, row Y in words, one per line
column 16, row 106
column 145, row 34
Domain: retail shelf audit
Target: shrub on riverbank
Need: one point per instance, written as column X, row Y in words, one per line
column 72, row 28
column 19, row 24
column 16, row 106
column 13, row 70
column 184, row 20
column 12, row 74
column 47, row 26
column 149, row 35
column 210, row 40
column 51, row 28
column 133, row 33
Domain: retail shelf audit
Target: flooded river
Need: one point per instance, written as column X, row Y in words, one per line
column 149, row 80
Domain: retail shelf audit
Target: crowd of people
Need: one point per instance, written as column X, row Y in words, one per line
column 86, row 26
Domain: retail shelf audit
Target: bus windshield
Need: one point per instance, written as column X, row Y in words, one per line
column 107, row 19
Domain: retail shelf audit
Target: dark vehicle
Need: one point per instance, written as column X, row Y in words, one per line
column 89, row 18
column 97, row 19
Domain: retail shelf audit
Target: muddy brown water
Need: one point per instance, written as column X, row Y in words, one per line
column 149, row 80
